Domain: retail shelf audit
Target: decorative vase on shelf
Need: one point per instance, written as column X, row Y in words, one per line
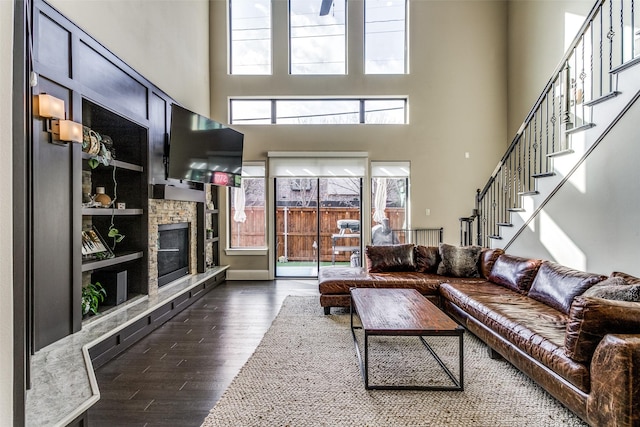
column 102, row 198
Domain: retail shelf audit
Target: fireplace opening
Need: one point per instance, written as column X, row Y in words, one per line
column 173, row 252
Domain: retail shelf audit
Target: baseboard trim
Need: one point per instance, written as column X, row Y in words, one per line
column 247, row 275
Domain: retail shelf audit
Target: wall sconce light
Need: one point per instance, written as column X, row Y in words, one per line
column 51, row 109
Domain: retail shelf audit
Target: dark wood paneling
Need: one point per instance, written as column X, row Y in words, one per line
column 53, row 230
column 22, row 209
column 54, row 46
column 158, row 137
column 103, row 76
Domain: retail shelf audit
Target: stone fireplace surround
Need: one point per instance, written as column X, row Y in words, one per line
column 163, row 211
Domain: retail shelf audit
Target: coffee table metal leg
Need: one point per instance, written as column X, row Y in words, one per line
column 461, row 360
column 361, row 363
column 458, row 382
column 365, row 372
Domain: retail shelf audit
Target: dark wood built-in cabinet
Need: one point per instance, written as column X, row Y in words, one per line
column 125, row 181
column 109, row 97
column 209, row 230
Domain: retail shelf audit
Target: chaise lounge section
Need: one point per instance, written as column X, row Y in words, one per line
column 561, row 327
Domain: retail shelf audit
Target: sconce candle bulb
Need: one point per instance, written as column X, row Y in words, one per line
column 50, row 107
column 68, row 130
column 52, row 110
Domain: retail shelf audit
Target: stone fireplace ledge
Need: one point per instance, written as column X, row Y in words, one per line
column 63, row 383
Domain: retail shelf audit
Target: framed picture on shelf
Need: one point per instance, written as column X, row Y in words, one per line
column 94, row 246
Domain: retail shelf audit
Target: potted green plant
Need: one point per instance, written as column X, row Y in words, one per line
column 92, row 295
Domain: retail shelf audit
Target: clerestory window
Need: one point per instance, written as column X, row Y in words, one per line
column 250, row 37
column 385, row 29
column 315, row 111
column 317, row 37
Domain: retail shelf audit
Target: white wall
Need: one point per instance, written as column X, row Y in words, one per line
column 457, row 102
column 165, row 41
column 539, row 33
column 6, row 219
column 591, row 223
column 592, row 226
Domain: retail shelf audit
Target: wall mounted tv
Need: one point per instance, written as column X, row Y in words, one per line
column 203, row 150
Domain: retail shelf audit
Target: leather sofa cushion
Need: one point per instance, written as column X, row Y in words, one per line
column 459, row 261
column 338, row 280
column 557, row 285
column 533, row 327
column 390, row 258
column 488, row 258
column 427, row 258
column 590, row 319
column 515, row 273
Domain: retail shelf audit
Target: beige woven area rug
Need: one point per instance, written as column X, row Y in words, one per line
column 305, row 373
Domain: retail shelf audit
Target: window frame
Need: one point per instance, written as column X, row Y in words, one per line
column 345, row 36
column 361, row 100
column 405, row 51
column 230, row 41
column 253, row 250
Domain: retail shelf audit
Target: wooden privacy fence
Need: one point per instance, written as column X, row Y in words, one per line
column 302, row 231
column 251, row 233
column 301, row 242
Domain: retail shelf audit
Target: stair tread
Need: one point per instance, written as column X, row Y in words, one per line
column 543, row 174
column 516, row 210
column 528, row 193
column 579, row 128
column 561, row 153
column 505, row 224
column 495, row 237
column 603, row 98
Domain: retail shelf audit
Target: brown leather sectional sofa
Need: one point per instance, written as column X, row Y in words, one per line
column 583, row 350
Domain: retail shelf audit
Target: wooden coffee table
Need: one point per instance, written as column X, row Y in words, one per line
column 402, row 312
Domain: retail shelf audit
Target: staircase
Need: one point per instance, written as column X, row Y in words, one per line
column 596, row 83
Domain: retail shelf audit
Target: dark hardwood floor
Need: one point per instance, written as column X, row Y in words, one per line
column 176, row 374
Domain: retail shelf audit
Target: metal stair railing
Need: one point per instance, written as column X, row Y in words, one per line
column 605, row 44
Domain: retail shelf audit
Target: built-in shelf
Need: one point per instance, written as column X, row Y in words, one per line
column 111, row 211
column 118, row 259
column 119, row 164
column 208, row 219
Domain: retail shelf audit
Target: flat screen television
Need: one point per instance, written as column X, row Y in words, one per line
column 203, row 150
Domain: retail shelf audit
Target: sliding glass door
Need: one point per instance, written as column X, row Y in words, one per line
column 317, row 224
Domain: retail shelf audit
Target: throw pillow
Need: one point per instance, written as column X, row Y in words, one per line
column 614, row 288
column 427, row 258
column 390, row 258
column 557, row 285
column 459, row 261
column 515, row 273
column 632, row 280
column 590, row 319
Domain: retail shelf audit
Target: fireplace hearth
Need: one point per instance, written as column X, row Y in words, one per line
column 173, row 252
